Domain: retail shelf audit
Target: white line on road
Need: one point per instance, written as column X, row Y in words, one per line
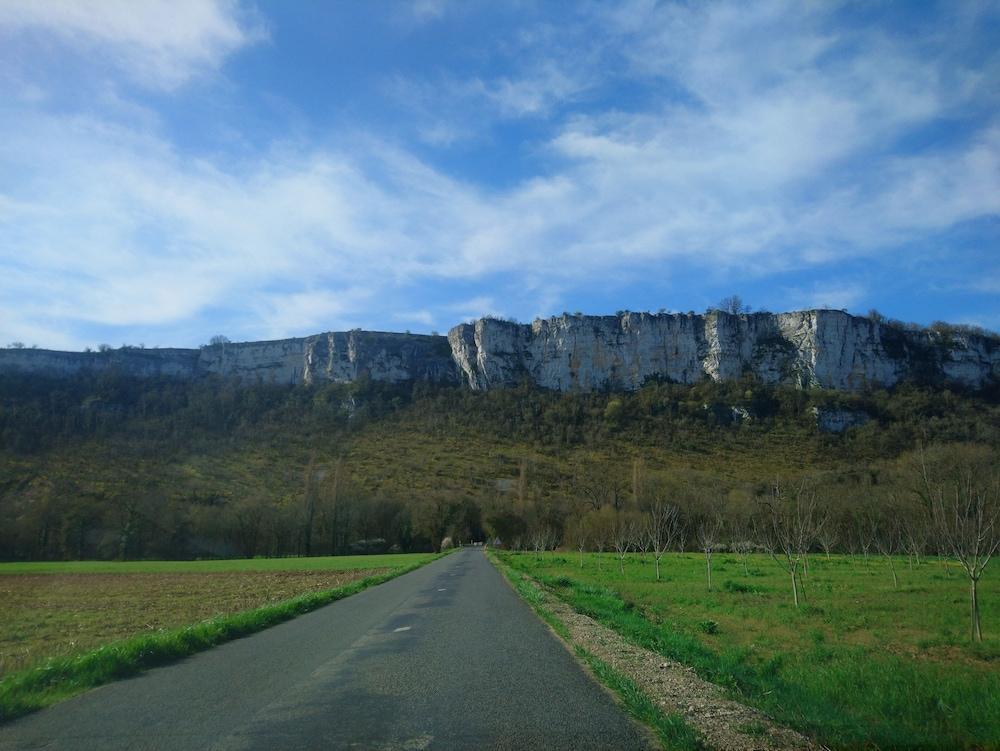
column 401, row 628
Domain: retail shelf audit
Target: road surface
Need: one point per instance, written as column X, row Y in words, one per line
column 445, row 657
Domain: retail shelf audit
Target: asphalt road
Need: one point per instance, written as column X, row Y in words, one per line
column 445, row 657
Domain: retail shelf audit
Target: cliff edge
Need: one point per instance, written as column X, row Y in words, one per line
column 807, row 349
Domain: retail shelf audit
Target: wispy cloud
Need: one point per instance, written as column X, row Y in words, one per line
column 741, row 159
column 158, row 43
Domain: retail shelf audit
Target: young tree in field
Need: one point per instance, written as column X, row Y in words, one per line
column 709, row 536
column 886, row 531
column 963, row 495
column 662, row 523
column 600, row 531
column 915, row 536
column 827, row 537
column 788, row 527
column 541, row 538
column 578, row 535
column 863, row 534
column 623, row 537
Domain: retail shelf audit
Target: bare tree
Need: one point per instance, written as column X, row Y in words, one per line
column 623, row 537
column 964, row 502
column 310, row 497
column 662, row 525
column 733, row 304
column 915, row 536
column 788, row 527
column 863, row 533
column 886, row 531
column 541, row 538
column 709, row 533
column 828, row 536
column 580, row 536
column 596, row 488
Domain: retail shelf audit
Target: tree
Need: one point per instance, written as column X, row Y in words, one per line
column 596, row 488
column 886, row 531
column 219, row 340
column 709, row 532
column 578, row 535
column 961, row 488
column 310, row 498
column 623, row 536
column 733, row 304
column 246, row 519
column 788, row 527
column 662, row 526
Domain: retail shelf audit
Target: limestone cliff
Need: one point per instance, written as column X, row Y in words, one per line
column 812, row 348
column 334, row 356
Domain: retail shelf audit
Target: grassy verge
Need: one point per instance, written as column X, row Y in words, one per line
column 827, row 682
column 672, row 730
column 60, row 678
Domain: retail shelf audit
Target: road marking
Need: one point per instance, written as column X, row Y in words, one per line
column 401, row 628
column 443, row 589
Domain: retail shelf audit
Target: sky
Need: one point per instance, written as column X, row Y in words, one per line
column 175, row 169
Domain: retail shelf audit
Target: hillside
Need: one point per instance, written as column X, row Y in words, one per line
column 104, row 465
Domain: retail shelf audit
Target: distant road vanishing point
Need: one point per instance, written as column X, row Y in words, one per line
column 445, row 657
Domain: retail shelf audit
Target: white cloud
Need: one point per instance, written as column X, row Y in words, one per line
column 834, row 294
column 160, row 43
column 776, row 157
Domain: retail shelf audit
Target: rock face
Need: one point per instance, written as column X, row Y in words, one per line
column 833, row 420
column 812, row 348
column 334, row 356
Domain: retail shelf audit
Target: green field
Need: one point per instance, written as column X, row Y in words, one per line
column 860, row 665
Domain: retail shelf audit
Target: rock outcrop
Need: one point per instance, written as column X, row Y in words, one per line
column 813, row 348
column 334, row 356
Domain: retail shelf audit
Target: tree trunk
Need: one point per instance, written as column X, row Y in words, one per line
column 708, row 561
column 977, row 631
column 657, row 568
column 795, row 589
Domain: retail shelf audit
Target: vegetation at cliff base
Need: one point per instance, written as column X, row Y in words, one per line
column 109, row 467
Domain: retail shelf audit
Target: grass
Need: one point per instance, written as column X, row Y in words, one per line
column 63, row 676
column 672, row 730
column 318, row 563
column 861, row 665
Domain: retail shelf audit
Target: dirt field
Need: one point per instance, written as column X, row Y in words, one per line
column 45, row 615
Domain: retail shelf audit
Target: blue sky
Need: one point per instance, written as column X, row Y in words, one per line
column 174, row 169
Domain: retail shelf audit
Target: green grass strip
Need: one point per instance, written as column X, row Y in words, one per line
column 672, row 729
column 59, row 678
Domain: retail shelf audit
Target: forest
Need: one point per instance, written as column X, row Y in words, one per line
column 109, row 467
